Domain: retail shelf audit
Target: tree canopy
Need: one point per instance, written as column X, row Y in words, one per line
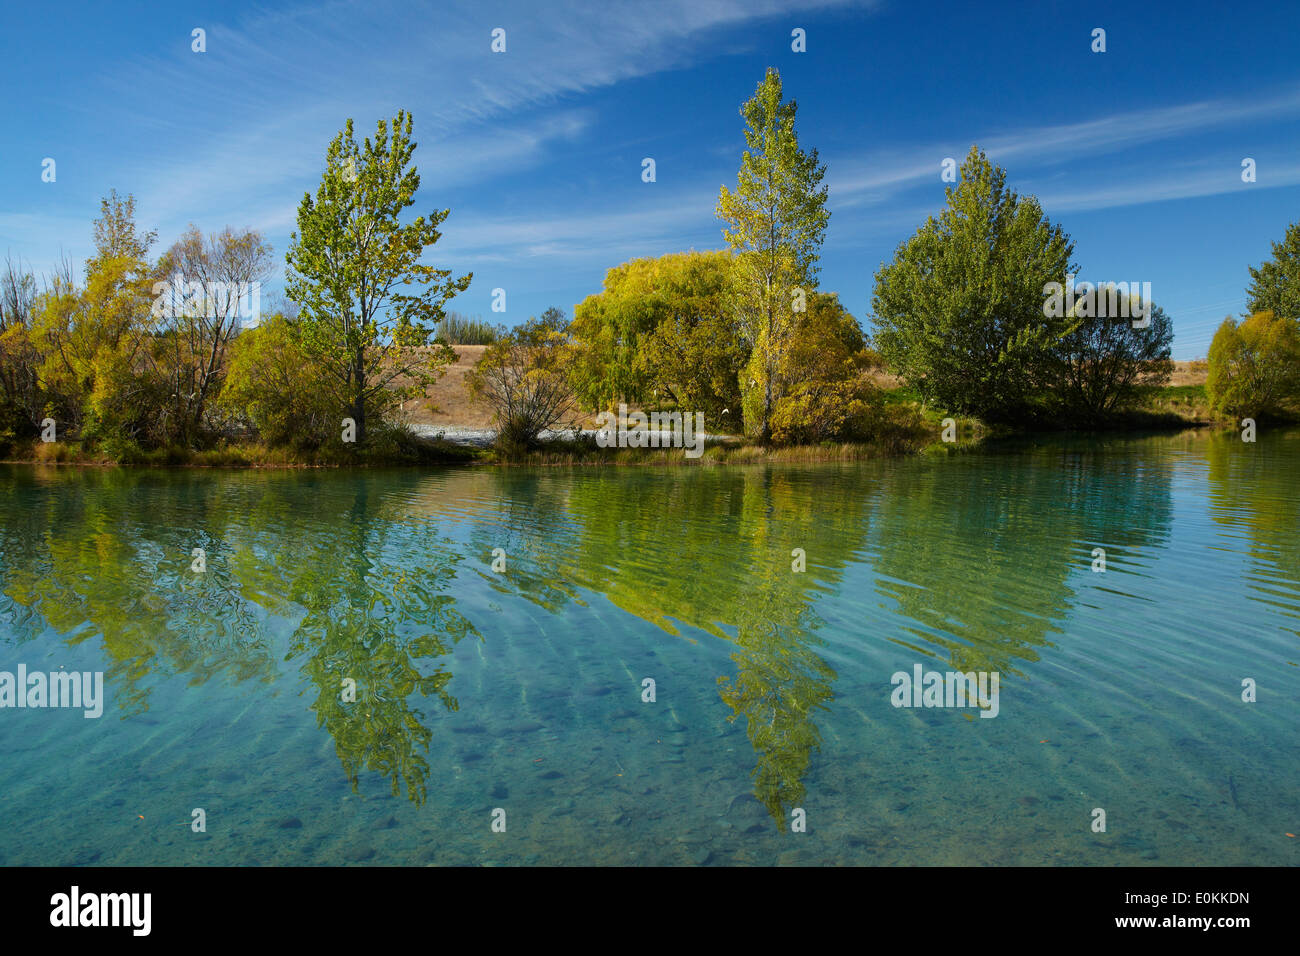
column 1275, row 284
column 959, row 311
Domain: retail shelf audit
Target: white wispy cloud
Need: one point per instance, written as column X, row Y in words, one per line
column 634, row 229
column 883, row 175
column 1133, row 188
column 236, row 134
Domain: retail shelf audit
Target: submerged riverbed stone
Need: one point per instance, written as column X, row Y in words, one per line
column 359, row 853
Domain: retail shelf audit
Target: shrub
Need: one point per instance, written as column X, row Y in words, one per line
column 524, row 378
column 826, row 391
column 457, row 329
column 1255, row 367
column 826, row 409
column 275, row 389
column 126, row 402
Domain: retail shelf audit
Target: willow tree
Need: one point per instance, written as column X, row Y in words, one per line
column 1255, row 367
column 776, row 219
column 661, row 331
column 355, row 271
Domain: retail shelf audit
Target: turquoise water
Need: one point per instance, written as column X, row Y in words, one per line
column 521, row 690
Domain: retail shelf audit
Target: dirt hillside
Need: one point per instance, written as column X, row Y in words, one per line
column 451, row 398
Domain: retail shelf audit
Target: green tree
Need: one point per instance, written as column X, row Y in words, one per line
column 1275, row 285
column 1104, row 364
column 776, row 219
column 1255, row 367
column 347, row 262
column 959, row 311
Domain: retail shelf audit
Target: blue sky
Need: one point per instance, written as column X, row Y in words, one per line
column 1136, row 152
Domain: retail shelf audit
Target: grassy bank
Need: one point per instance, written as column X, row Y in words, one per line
column 906, row 428
column 1187, row 403
column 411, row 450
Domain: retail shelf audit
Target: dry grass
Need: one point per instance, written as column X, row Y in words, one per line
column 396, row 449
column 1190, row 373
column 448, row 401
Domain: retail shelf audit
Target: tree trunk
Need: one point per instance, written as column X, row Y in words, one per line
column 359, row 394
column 765, row 434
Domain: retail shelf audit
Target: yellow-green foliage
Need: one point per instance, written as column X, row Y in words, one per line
column 660, row 332
column 126, row 404
column 827, row 393
column 274, row 388
column 358, row 268
column 775, row 219
column 102, row 328
column 1255, row 367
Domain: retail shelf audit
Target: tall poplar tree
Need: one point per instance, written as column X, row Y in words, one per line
column 351, row 261
column 776, row 220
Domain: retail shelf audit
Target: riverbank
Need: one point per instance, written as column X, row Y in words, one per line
column 415, row 451
column 430, row 451
column 905, row 429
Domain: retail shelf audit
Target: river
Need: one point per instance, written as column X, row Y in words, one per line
column 680, row 665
